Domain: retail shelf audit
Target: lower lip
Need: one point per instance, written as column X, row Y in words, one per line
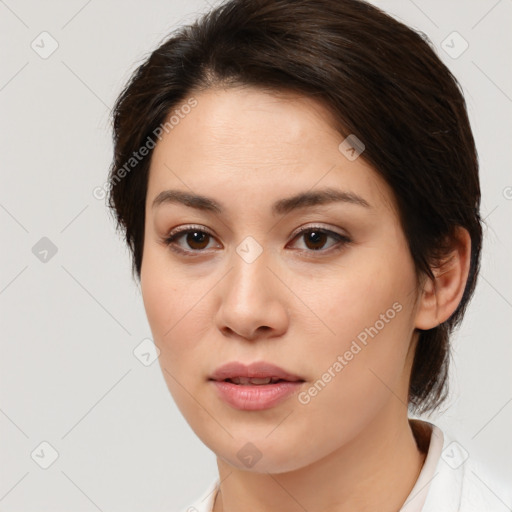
column 253, row 397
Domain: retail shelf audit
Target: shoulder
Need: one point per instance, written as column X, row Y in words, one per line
column 204, row 502
column 462, row 483
column 483, row 489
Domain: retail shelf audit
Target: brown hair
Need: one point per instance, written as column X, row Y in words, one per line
column 381, row 80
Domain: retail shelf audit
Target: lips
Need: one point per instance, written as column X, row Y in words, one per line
column 254, row 387
column 256, row 374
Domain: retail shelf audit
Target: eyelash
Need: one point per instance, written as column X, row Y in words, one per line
column 170, row 239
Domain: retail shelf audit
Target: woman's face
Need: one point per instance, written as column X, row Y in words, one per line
column 335, row 305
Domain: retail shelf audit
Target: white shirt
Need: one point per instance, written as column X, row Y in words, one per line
column 449, row 481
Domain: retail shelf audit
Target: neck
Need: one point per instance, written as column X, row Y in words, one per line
column 375, row 471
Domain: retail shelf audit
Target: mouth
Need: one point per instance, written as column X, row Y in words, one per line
column 256, row 374
column 256, row 386
column 246, row 381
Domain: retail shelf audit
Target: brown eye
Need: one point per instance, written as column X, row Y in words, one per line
column 196, row 239
column 315, row 239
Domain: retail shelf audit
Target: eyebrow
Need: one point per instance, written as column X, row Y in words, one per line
column 280, row 207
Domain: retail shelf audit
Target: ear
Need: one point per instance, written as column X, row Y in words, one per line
column 441, row 296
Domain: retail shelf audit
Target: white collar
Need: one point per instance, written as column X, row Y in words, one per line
column 418, row 495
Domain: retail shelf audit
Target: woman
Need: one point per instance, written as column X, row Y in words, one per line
column 298, row 183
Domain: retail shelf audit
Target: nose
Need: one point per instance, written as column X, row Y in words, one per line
column 252, row 300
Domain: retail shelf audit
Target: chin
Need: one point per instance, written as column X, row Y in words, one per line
column 261, row 454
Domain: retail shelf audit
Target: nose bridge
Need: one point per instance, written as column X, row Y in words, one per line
column 250, row 273
column 250, row 297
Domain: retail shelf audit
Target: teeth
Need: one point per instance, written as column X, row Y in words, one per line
column 244, row 381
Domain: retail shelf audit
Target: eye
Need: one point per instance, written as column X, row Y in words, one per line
column 196, row 237
column 315, row 239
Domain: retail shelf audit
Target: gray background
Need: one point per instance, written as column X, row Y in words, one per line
column 70, row 321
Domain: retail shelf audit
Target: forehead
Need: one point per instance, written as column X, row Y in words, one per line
column 239, row 140
column 242, row 120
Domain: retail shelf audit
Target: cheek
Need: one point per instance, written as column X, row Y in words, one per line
column 157, row 299
column 163, row 292
column 368, row 317
column 353, row 299
column 164, row 309
column 163, row 303
column 177, row 317
column 355, row 380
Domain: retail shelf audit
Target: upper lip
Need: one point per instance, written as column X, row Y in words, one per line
column 258, row 370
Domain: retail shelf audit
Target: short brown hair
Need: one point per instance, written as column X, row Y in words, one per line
column 380, row 79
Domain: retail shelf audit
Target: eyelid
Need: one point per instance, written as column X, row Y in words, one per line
column 309, row 227
column 188, row 227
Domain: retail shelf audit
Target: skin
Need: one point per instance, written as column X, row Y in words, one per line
column 351, row 447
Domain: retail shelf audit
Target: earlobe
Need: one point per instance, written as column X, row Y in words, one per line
column 441, row 296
